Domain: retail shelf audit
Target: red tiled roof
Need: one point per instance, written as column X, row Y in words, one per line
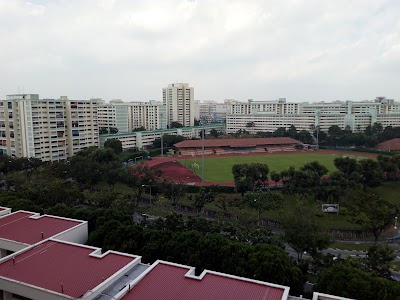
column 391, row 145
column 53, row 263
column 168, row 282
column 237, row 142
column 21, row 228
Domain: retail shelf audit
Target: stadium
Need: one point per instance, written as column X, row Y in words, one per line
column 228, row 146
column 221, row 154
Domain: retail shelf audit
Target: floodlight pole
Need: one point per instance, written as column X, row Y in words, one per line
column 202, row 160
column 317, row 137
column 162, row 144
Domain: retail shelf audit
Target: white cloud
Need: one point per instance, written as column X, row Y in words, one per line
column 299, row 49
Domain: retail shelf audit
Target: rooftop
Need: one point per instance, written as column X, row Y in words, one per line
column 169, row 281
column 80, row 270
column 391, row 145
column 27, row 227
column 237, row 142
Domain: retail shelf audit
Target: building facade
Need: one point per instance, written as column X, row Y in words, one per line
column 144, row 139
column 255, row 116
column 47, row 129
column 127, row 116
column 178, row 99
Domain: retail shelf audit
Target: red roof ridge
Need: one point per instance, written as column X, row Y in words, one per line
column 190, row 274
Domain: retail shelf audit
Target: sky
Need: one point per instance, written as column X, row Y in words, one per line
column 302, row 50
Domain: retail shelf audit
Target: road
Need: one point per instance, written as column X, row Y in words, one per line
column 336, row 252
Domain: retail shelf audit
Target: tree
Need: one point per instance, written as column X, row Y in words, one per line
column 201, row 198
column 142, row 176
column 302, row 232
column 275, row 176
column 280, row 132
column 176, row 124
column 262, row 201
column 370, row 211
column 292, row 131
column 247, row 175
column 225, row 201
column 169, row 140
column 113, row 130
column 315, row 166
column 141, row 128
column 346, row 279
column 103, row 130
column 335, row 131
column 114, row 144
column 379, row 259
column 371, row 173
column 250, row 124
column 346, row 165
column 173, row 192
column 377, row 128
column 215, row 133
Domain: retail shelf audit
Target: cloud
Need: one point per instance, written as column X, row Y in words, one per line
column 299, row 49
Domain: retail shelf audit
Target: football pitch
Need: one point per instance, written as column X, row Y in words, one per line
column 219, row 169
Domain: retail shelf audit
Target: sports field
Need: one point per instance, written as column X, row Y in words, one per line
column 220, row 169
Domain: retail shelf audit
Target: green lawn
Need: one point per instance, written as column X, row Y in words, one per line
column 220, row 169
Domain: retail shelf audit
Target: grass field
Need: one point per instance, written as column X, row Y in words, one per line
column 220, row 169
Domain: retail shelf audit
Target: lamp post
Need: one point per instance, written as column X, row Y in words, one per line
column 162, row 144
column 202, row 152
column 148, row 185
column 395, row 222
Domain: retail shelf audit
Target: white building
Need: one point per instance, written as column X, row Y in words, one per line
column 145, row 139
column 269, row 115
column 127, row 116
column 47, row 129
column 179, row 101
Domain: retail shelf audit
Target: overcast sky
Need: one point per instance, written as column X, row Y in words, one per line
column 301, row 50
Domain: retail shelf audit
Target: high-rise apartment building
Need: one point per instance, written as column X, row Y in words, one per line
column 127, row 116
column 47, row 129
column 179, row 101
column 269, row 115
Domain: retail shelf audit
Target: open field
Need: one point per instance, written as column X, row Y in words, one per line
column 220, row 169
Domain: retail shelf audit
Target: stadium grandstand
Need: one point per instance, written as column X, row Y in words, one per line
column 391, row 145
column 249, row 145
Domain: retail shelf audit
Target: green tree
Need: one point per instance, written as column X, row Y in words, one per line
column 169, row 140
column 173, row 192
column 176, row 124
column 113, row 130
column 302, row 232
column 315, row 166
column 247, row 175
column 370, row 211
column 201, row 198
column 225, row 201
column 275, row 176
column 141, row 128
column 346, row 165
column 347, row 279
column 371, row 173
column 280, row 132
column 263, row 201
column 103, row 130
column 379, row 259
column 114, row 144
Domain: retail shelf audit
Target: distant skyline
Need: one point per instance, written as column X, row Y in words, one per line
column 301, row 50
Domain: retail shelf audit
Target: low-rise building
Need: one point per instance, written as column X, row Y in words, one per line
column 145, row 139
